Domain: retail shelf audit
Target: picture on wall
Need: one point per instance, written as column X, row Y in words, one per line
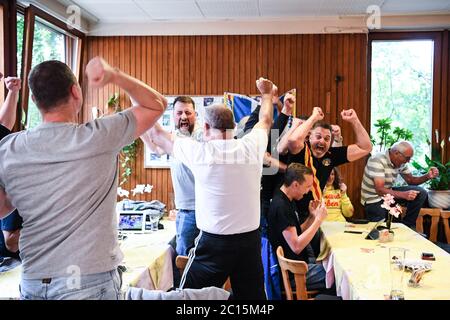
column 153, row 158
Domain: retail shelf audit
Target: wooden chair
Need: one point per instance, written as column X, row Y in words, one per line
column 299, row 269
column 434, row 213
column 445, row 215
column 181, row 261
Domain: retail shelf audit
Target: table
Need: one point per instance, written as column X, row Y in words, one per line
column 360, row 267
column 147, row 257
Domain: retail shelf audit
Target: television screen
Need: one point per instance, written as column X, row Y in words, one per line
column 130, row 221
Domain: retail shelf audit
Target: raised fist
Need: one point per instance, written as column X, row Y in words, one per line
column 433, row 173
column 289, row 100
column 336, row 130
column 99, row 72
column 343, row 187
column 349, row 115
column 13, row 84
column 264, row 86
column 317, row 114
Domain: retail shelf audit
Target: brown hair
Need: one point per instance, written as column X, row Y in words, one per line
column 296, row 172
column 51, row 82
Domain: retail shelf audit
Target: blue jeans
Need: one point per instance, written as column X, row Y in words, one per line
column 374, row 212
column 98, row 286
column 186, row 231
column 315, row 277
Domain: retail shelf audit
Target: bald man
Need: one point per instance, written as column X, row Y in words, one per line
column 380, row 174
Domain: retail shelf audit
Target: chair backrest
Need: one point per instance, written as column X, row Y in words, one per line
column 435, row 213
column 299, row 269
column 445, row 215
column 181, row 261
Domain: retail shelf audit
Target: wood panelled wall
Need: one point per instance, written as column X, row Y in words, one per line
column 210, row 65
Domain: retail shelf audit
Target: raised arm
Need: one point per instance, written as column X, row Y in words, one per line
column 151, row 104
column 363, row 145
column 8, row 110
column 147, row 139
column 160, row 138
column 266, row 112
column 282, row 146
column 431, row 174
column 296, row 140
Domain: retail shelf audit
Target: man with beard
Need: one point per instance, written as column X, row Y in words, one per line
column 317, row 153
column 182, row 179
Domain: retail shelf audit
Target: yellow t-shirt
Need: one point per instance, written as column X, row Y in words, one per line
column 338, row 204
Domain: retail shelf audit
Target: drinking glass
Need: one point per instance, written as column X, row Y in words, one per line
column 397, row 267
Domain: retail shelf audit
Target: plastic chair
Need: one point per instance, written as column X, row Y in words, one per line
column 434, row 214
column 181, row 261
column 299, row 269
column 445, row 215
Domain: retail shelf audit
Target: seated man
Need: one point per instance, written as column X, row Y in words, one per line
column 285, row 228
column 9, row 237
column 380, row 173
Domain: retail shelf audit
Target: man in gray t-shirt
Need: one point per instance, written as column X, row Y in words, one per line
column 62, row 177
column 182, row 178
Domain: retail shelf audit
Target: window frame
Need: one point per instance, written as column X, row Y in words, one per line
column 31, row 15
column 438, row 104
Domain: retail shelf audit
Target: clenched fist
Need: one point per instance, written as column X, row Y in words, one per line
column 410, row 194
column 317, row 114
column 99, row 72
column 264, row 86
column 13, row 84
column 349, row 115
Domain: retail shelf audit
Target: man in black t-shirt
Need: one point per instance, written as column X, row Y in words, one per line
column 310, row 144
column 285, row 228
column 11, row 225
column 318, row 154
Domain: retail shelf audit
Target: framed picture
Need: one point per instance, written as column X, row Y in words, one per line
column 155, row 160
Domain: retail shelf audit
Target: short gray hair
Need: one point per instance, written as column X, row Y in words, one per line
column 219, row 117
column 402, row 146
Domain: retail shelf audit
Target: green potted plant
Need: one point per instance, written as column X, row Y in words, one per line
column 438, row 188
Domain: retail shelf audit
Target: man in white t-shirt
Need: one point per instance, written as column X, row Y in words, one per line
column 227, row 172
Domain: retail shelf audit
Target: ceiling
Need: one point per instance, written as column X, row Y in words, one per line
column 135, row 11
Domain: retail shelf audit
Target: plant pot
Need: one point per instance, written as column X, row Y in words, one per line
column 439, row 198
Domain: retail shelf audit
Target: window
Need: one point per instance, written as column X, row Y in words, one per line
column 402, row 91
column 51, row 40
column 48, row 44
column 20, row 28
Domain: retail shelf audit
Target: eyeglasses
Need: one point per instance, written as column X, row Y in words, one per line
column 406, row 158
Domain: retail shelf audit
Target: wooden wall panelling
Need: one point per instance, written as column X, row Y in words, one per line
column 200, row 65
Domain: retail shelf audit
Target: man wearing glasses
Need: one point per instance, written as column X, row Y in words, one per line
column 380, row 174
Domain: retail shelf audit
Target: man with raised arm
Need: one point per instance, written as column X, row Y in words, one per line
column 182, row 179
column 225, row 169
column 316, row 153
column 62, row 177
column 11, row 225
